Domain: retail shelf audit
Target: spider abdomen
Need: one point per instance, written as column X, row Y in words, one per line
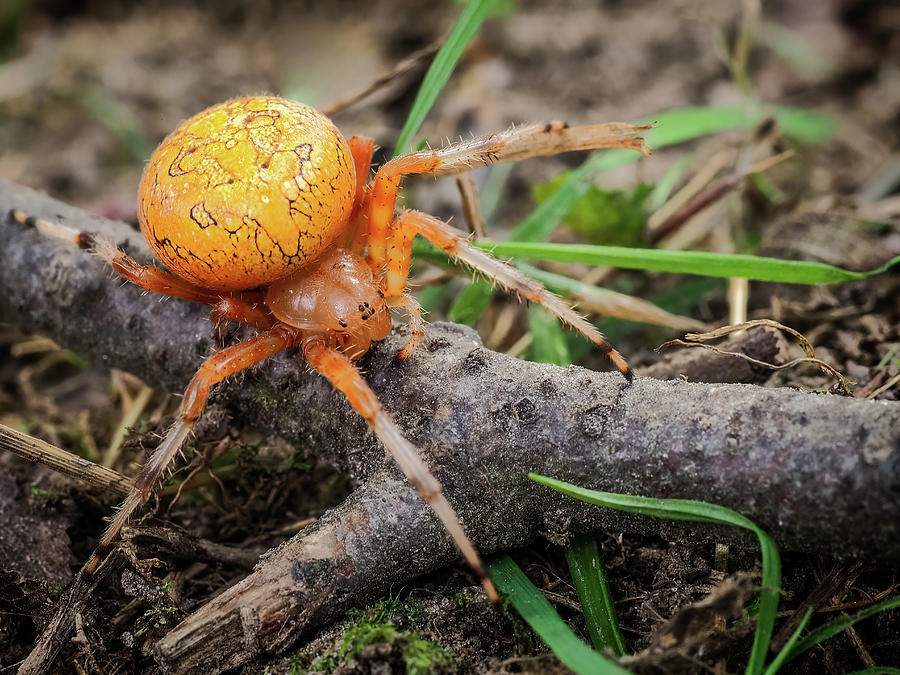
column 247, row 191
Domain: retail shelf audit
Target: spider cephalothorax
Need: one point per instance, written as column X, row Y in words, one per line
column 336, row 297
column 261, row 210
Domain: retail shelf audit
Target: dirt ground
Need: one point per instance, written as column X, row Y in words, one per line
column 88, row 89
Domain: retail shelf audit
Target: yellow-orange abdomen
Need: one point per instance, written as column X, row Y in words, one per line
column 246, row 191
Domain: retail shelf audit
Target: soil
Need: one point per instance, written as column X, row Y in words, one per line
column 87, row 90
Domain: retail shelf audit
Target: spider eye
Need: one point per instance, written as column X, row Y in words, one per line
column 342, row 323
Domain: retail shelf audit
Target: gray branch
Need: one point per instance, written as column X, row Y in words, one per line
column 820, row 473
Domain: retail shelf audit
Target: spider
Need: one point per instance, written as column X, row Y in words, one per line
column 260, row 209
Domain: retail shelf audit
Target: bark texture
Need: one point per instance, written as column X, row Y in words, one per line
column 820, row 473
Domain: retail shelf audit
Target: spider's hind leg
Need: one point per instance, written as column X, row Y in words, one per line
column 439, row 233
column 148, row 277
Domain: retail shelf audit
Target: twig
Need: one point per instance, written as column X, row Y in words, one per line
column 408, row 64
column 818, row 472
column 38, row 451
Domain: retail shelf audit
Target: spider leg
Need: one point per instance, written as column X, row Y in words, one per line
column 232, row 308
column 148, row 277
column 537, row 140
column 417, row 325
column 411, row 223
column 517, row 143
column 215, row 369
column 334, row 365
column 355, row 239
column 361, row 147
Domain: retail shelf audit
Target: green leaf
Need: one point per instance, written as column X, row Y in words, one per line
column 690, row 510
column 614, row 217
column 541, row 222
column 548, row 341
column 540, row 615
column 471, row 303
column 703, row 263
column 439, row 72
column 583, row 556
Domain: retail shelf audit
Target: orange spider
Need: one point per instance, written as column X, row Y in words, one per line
column 263, row 211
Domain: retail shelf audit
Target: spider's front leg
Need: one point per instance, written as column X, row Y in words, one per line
column 439, row 233
column 334, row 365
column 215, row 369
column 517, row 143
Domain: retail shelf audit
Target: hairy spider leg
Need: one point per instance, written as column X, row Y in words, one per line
column 345, row 377
column 215, row 369
column 512, row 145
column 416, row 322
column 387, row 244
column 240, row 309
column 439, row 233
column 148, row 277
column 361, row 148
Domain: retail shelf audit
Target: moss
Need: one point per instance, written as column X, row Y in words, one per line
column 357, row 638
column 423, row 656
column 372, row 626
column 265, row 395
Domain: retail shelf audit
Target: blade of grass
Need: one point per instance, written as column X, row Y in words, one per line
column 662, row 311
column 583, row 556
column 538, row 613
column 703, row 263
column 690, row 510
column 877, row 670
column 439, row 72
column 839, row 625
column 781, row 657
column 666, row 185
column 120, row 121
column 606, row 302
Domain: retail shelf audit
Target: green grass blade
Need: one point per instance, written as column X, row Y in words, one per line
column 690, row 510
column 781, row 658
column 439, row 72
column 583, row 556
column 530, row 603
column 686, row 124
column 877, row 670
column 640, row 310
column 120, row 121
column 665, row 186
column 839, row 625
column 703, row 263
